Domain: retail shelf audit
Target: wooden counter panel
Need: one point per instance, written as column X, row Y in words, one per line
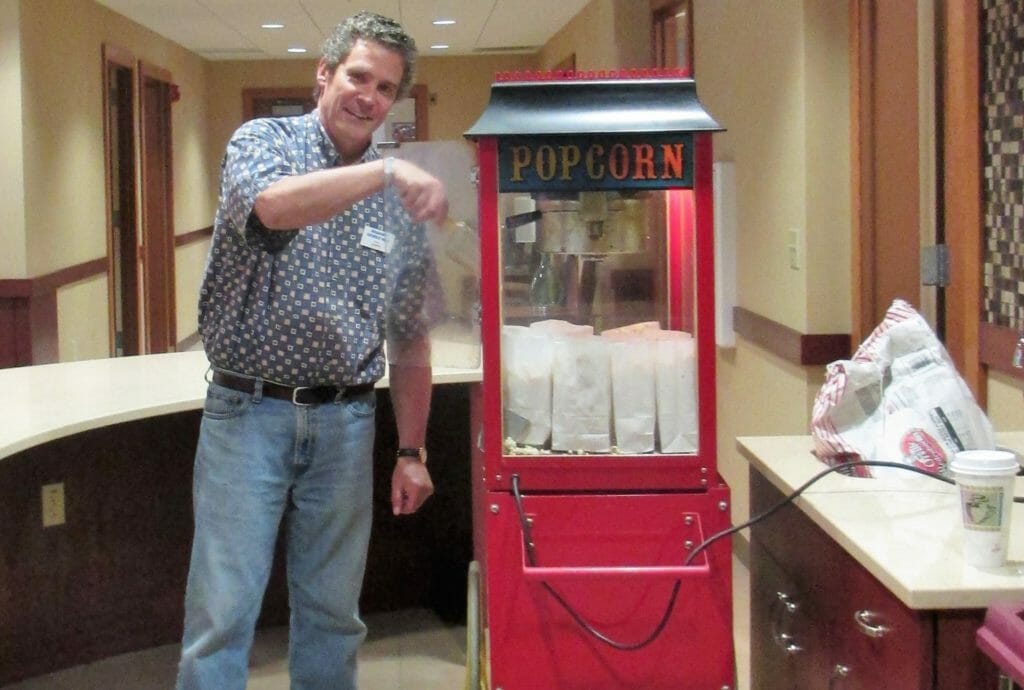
column 112, row 579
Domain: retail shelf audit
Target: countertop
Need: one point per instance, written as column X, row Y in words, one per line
column 905, row 530
column 51, row 401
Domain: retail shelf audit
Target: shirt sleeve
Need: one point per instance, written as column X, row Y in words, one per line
column 257, row 156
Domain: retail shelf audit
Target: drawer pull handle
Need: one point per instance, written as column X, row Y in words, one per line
column 780, row 607
column 839, row 673
column 787, row 602
column 869, row 624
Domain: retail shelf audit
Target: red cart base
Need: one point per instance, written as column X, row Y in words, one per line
column 613, row 563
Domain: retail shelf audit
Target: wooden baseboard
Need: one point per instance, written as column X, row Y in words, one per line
column 803, row 349
column 194, row 236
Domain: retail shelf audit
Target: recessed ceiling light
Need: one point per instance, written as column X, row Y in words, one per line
column 296, row 50
column 271, row 25
column 443, row 22
column 440, row 46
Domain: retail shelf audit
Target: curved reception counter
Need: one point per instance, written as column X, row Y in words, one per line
column 96, row 509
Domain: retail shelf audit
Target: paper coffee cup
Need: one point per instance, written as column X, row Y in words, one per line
column 986, row 481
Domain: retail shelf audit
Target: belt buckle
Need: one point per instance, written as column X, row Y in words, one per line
column 295, row 393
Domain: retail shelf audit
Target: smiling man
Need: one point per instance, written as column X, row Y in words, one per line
column 318, row 256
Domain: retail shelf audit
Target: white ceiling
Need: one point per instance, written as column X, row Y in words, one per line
column 230, row 29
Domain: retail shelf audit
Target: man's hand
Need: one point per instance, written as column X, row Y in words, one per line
column 422, row 194
column 410, row 486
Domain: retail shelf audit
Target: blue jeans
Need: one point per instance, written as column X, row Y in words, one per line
column 259, row 459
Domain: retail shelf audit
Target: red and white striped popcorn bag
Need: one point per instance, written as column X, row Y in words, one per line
column 899, row 399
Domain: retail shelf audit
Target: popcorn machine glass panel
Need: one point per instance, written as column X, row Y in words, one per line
column 597, row 317
column 597, row 283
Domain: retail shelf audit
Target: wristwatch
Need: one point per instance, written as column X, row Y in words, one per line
column 389, row 170
column 418, row 453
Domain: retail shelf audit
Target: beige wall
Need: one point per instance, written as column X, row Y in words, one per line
column 780, row 86
column 1005, row 402
column 462, row 87
column 62, row 134
column 227, row 79
column 63, row 128
column 606, row 34
column 63, row 152
column 12, row 201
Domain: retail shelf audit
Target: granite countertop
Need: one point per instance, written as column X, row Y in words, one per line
column 905, row 530
column 51, row 401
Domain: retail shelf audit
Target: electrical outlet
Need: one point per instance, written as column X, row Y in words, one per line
column 53, row 504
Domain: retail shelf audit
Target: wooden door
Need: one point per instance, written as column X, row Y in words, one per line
column 121, row 169
column 963, row 219
column 277, row 102
column 916, row 171
column 886, row 161
column 157, row 211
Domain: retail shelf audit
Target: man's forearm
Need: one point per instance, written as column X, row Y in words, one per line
column 300, row 200
column 411, row 386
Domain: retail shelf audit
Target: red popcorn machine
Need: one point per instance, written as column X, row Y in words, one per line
column 595, row 487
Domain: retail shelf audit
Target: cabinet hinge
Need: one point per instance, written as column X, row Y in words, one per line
column 935, row 265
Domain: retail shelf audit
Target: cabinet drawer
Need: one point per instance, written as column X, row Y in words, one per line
column 878, row 642
column 851, row 631
column 786, row 648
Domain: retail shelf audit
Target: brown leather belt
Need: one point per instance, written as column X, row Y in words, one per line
column 298, row 395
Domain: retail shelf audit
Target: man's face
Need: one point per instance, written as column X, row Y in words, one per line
column 356, row 96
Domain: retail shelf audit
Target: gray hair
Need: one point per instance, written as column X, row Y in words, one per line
column 371, row 27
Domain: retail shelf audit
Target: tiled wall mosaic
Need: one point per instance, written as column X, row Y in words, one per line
column 1002, row 122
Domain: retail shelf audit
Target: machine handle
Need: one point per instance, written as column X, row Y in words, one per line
column 672, row 572
column 666, row 572
column 512, row 222
column 840, row 672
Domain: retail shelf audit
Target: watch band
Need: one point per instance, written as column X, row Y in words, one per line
column 389, row 170
column 418, row 453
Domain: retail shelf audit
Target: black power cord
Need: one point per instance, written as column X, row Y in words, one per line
column 532, row 560
column 843, row 468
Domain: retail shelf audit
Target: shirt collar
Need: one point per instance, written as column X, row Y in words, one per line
column 326, row 146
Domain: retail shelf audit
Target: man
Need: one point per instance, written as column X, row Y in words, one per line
column 317, row 255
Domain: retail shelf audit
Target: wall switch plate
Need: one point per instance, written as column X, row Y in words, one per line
column 53, row 504
column 793, row 248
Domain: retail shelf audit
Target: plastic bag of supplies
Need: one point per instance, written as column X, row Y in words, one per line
column 899, row 399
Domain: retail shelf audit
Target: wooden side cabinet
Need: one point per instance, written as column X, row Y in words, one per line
column 820, row 620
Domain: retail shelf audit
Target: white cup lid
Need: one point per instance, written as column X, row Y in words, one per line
column 985, row 462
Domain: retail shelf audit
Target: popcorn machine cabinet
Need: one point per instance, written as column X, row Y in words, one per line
column 595, row 484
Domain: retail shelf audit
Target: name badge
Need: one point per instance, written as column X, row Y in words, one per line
column 377, row 239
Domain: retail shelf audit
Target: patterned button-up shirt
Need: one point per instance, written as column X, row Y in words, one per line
column 314, row 305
